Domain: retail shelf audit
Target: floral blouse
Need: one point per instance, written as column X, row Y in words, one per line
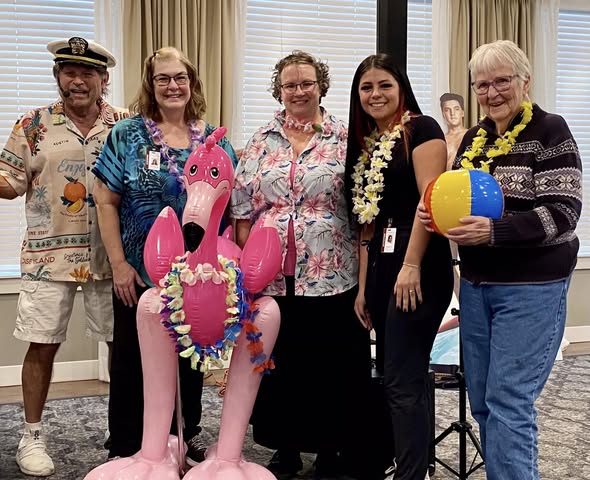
column 327, row 250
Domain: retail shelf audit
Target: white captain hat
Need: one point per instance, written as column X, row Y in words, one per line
column 80, row 50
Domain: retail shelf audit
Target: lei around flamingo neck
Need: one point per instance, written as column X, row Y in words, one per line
column 241, row 315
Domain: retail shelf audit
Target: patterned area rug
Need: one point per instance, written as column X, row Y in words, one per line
column 77, row 427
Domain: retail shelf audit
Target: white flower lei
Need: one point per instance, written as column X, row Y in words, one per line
column 377, row 154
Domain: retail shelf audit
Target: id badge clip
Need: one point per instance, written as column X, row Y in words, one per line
column 388, row 243
column 153, row 158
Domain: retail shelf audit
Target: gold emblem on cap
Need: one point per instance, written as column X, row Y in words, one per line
column 78, row 45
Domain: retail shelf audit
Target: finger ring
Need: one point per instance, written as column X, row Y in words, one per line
column 411, row 291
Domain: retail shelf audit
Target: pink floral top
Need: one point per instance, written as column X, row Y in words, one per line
column 327, row 250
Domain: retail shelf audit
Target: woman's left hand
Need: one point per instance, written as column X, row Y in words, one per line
column 407, row 288
column 474, row 231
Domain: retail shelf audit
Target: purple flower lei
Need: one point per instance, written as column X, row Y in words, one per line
column 196, row 138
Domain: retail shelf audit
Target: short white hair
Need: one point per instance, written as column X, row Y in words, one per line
column 491, row 56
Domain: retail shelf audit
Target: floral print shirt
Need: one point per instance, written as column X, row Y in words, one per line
column 48, row 159
column 327, row 250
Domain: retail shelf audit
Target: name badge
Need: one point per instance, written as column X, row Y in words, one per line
column 388, row 244
column 152, row 161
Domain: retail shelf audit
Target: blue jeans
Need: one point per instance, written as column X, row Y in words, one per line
column 511, row 335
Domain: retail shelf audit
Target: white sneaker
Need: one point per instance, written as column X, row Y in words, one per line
column 390, row 471
column 31, row 456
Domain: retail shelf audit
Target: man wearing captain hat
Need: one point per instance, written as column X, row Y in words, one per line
column 48, row 157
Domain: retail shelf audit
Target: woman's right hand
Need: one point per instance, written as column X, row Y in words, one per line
column 124, row 278
column 424, row 216
column 362, row 313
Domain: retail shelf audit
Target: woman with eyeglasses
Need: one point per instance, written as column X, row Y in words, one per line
column 291, row 173
column 138, row 174
column 516, row 270
column 405, row 274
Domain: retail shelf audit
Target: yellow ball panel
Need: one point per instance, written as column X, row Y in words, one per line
column 450, row 199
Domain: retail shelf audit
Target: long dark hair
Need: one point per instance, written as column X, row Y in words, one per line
column 360, row 124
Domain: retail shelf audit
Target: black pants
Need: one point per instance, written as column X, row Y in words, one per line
column 408, row 341
column 404, row 343
column 126, row 387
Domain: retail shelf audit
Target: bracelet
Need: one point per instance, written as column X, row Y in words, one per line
column 411, row 265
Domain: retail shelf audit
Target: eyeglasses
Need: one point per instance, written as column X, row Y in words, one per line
column 305, row 86
column 163, row 80
column 501, row 84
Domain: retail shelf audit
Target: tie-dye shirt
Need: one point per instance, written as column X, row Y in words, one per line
column 48, row 159
column 326, row 247
column 121, row 166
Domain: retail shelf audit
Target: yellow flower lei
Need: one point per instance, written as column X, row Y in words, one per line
column 503, row 144
column 377, row 154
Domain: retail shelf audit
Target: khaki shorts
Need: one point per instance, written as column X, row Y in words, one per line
column 44, row 310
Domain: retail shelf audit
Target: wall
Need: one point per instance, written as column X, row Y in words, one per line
column 578, row 314
column 79, row 354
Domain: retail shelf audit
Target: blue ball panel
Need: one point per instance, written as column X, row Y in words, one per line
column 486, row 196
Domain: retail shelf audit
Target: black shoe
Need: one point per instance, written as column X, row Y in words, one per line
column 195, row 451
column 285, row 462
column 327, row 465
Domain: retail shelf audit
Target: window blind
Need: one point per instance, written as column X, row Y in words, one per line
column 26, row 82
column 573, row 97
column 340, row 32
column 420, row 52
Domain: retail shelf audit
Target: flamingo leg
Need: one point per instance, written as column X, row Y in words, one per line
column 224, row 461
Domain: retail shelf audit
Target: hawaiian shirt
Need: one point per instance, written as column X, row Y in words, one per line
column 48, row 159
column 144, row 192
column 327, row 250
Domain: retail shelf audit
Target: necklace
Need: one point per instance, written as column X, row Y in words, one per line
column 291, row 122
column 503, row 145
column 368, row 182
column 241, row 312
column 171, row 160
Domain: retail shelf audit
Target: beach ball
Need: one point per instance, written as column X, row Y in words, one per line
column 459, row 193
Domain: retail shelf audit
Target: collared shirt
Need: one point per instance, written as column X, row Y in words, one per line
column 326, row 247
column 48, row 159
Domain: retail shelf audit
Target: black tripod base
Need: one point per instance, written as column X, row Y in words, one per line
column 464, row 429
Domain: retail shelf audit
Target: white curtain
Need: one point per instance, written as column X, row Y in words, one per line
column 108, row 28
column 441, row 27
column 544, row 58
column 108, row 16
column 238, row 76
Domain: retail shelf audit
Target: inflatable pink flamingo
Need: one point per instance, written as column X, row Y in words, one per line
column 206, row 303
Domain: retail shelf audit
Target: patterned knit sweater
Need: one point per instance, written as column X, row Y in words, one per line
column 541, row 179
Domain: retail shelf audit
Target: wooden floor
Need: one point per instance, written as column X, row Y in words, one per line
column 95, row 387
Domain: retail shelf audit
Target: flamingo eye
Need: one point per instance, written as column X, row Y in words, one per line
column 193, row 170
column 214, row 173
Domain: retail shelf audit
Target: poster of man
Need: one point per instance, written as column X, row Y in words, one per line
column 451, row 105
